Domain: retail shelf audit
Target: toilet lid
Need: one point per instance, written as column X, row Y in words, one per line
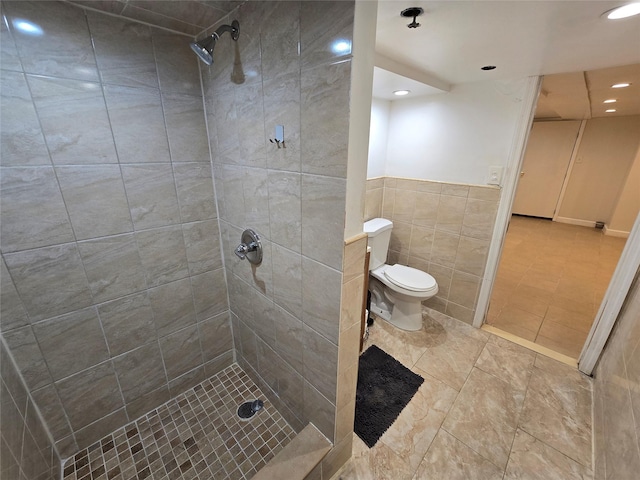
column 410, row 278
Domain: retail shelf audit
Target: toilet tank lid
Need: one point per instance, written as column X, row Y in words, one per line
column 376, row 225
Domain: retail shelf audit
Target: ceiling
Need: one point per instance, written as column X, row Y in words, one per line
column 456, row 38
column 521, row 38
column 186, row 16
column 581, row 95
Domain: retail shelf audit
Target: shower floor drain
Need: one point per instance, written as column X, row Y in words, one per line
column 249, row 409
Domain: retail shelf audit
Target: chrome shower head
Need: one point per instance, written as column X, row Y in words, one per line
column 204, row 48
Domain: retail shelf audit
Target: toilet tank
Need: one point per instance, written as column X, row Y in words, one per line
column 379, row 232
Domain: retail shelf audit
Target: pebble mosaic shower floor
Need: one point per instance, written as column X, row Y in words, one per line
column 196, row 435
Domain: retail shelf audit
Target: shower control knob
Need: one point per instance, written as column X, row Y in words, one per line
column 250, row 247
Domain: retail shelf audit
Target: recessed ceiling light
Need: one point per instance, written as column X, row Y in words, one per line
column 620, row 85
column 624, row 11
column 611, row 100
column 611, row 110
column 488, row 67
column 402, row 92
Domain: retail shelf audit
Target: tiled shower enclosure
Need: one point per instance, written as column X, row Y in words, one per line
column 120, row 290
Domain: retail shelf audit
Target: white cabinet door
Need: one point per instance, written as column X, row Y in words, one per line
column 544, row 167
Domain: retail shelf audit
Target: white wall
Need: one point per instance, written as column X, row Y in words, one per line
column 605, row 155
column 378, row 137
column 628, row 205
column 452, row 137
column 364, row 35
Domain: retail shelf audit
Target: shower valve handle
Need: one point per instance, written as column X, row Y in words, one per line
column 250, row 247
column 243, row 249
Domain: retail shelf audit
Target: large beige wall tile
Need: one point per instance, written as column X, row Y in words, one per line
column 51, row 280
column 322, row 229
column 479, row 218
column 451, row 211
column 65, row 50
column 21, row 135
column 74, row 120
column 95, row 199
column 324, row 131
column 29, row 221
column 471, row 256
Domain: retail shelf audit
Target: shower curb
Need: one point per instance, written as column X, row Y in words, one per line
column 298, row 458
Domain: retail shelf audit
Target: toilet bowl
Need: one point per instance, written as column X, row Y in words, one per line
column 397, row 291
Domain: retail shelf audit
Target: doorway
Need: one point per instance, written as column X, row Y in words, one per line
column 551, row 280
column 555, row 266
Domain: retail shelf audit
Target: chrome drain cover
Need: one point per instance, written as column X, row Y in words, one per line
column 249, row 409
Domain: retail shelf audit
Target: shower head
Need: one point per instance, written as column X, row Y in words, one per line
column 204, row 48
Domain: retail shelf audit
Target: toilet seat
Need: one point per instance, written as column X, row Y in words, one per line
column 410, row 278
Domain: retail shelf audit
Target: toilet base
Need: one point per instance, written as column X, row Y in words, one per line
column 401, row 313
column 406, row 315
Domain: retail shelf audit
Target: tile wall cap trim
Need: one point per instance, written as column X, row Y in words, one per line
column 130, row 19
column 355, row 238
column 547, row 352
column 490, row 187
column 299, row 457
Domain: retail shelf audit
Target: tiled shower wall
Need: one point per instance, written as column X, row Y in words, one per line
column 616, row 396
column 26, row 450
column 441, row 228
column 113, row 291
column 285, row 311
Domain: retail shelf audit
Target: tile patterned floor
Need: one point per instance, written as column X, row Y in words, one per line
column 197, row 435
column 488, row 409
column 551, row 280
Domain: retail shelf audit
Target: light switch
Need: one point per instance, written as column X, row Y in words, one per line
column 495, row 175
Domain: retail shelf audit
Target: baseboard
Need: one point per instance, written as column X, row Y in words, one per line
column 575, row 221
column 615, row 233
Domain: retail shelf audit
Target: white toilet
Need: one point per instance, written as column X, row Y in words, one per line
column 397, row 291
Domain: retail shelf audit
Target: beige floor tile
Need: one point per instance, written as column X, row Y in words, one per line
column 558, row 409
column 514, row 320
column 485, row 416
column 377, row 463
column 415, row 428
column 542, row 281
column 534, row 460
column 572, row 265
column 450, row 357
column 531, row 299
column 406, row 347
column 436, row 322
column 568, row 318
column 561, row 338
column 450, row 459
column 571, row 305
column 507, row 361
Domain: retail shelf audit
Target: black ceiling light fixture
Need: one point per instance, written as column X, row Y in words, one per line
column 412, row 12
column 488, row 67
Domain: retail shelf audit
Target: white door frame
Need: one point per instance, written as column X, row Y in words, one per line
column 625, row 272
column 617, row 291
column 503, row 215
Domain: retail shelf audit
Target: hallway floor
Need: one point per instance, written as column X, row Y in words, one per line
column 196, row 435
column 551, row 280
column 488, row 410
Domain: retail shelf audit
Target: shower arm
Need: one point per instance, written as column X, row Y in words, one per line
column 233, row 29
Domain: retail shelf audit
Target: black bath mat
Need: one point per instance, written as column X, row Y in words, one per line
column 385, row 387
